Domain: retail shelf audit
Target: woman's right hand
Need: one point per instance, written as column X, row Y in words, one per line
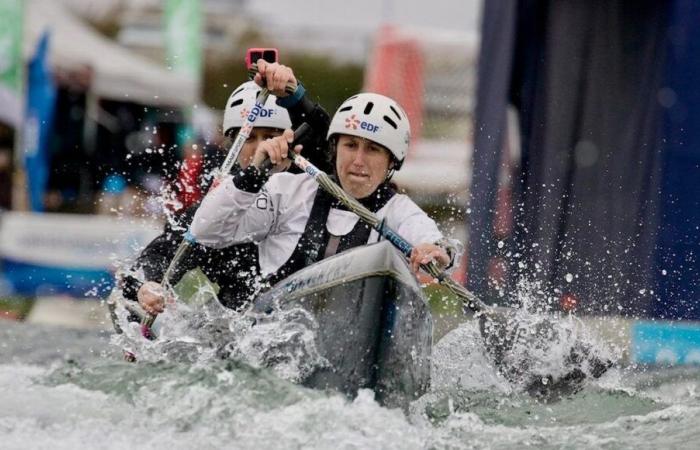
column 151, row 297
column 276, row 77
column 277, row 151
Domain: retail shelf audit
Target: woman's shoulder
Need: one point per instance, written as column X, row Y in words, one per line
column 404, row 205
column 286, row 182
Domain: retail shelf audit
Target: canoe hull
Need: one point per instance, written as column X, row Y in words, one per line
column 374, row 326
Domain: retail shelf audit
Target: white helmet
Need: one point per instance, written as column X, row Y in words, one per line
column 241, row 102
column 377, row 118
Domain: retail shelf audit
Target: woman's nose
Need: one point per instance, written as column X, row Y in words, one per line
column 359, row 159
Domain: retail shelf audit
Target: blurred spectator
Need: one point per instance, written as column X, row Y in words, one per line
column 71, row 169
column 5, row 178
column 200, row 160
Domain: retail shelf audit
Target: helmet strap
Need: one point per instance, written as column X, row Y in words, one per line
column 390, row 174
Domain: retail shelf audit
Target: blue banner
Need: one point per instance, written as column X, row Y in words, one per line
column 665, row 343
column 41, row 101
column 678, row 247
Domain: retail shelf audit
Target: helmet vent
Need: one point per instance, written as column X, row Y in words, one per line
column 346, row 108
column 237, row 91
column 236, row 102
column 388, row 120
column 398, row 116
column 368, row 107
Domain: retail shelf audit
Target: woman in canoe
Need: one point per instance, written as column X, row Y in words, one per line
column 233, row 267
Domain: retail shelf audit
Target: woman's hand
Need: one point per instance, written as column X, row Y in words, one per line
column 275, row 77
column 277, row 151
column 151, row 298
column 425, row 253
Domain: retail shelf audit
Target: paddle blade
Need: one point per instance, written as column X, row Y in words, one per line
column 547, row 356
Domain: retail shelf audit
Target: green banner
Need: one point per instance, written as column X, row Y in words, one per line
column 11, row 18
column 183, row 41
column 11, row 71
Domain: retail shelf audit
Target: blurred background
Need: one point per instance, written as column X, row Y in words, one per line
column 557, row 140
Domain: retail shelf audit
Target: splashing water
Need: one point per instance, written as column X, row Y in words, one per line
column 64, row 389
column 526, row 349
column 202, row 331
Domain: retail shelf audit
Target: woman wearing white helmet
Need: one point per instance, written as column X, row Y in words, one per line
column 295, row 223
column 224, row 267
column 281, row 111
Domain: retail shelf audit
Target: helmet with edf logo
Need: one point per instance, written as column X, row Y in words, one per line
column 377, row 118
column 242, row 101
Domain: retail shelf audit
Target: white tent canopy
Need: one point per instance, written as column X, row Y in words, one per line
column 435, row 168
column 118, row 74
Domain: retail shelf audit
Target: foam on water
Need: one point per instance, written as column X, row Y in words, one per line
column 174, row 406
column 102, row 402
column 527, row 346
column 215, row 381
column 203, row 331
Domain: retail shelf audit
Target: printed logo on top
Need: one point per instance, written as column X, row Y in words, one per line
column 353, row 123
column 259, row 111
column 264, row 112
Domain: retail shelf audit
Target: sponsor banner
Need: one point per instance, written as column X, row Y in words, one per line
column 11, row 21
column 67, row 252
column 183, row 43
column 666, row 343
column 38, row 123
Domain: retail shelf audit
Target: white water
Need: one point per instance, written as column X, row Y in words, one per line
column 63, row 389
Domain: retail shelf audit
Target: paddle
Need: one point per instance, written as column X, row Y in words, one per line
column 469, row 300
column 188, row 241
column 498, row 325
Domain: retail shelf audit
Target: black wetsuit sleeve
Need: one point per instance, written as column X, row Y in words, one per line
column 155, row 258
column 315, row 146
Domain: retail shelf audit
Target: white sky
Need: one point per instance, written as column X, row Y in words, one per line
column 310, row 24
column 366, row 15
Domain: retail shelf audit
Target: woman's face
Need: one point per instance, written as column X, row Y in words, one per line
column 361, row 165
column 257, row 135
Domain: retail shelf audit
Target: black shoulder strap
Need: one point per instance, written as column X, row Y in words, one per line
column 312, row 242
column 311, row 246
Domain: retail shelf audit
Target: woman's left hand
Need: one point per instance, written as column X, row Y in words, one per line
column 424, row 253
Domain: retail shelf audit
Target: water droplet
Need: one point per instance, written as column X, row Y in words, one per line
column 569, row 278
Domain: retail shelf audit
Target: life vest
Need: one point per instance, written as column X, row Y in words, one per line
column 313, row 244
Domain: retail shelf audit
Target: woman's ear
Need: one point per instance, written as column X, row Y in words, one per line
column 391, row 170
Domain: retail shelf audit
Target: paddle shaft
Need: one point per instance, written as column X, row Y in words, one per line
column 188, row 240
column 226, row 166
column 225, row 169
